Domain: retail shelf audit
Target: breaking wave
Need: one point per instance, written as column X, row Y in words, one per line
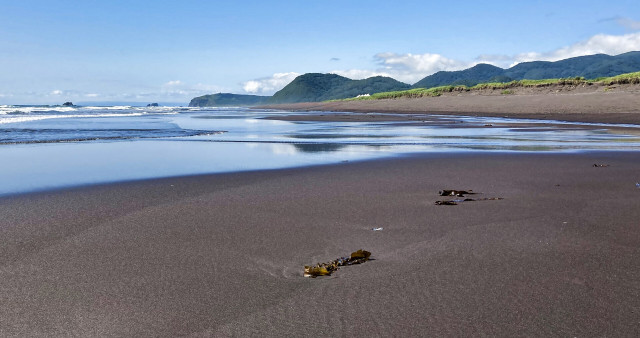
column 33, row 136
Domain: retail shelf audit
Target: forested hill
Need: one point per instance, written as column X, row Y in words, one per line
column 313, row 87
column 227, row 100
column 589, row 67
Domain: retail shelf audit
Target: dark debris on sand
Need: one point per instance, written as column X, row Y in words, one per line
column 326, row 269
column 462, row 193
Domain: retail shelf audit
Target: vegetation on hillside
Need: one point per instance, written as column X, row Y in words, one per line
column 589, row 67
column 468, row 77
column 314, row 87
column 227, row 100
column 505, row 87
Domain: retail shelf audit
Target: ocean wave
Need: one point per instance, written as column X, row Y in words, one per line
column 39, row 136
column 36, row 109
column 109, row 108
column 18, row 119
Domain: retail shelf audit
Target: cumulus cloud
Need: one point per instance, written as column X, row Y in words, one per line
column 601, row 43
column 416, row 62
column 178, row 89
column 174, row 83
column 67, row 93
column 359, row 74
column 410, row 68
column 269, row 85
column 413, row 67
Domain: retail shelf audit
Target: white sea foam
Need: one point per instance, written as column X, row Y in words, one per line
column 28, row 110
column 110, row 108
column 27, row 118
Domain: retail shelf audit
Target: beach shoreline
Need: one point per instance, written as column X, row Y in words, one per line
column 591, row 104
column 222, row 255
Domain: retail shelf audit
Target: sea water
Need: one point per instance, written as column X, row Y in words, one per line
column 45, row 147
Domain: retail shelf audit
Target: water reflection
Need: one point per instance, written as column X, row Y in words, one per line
column 447, row 132
column 318, row 147
column 251, row 142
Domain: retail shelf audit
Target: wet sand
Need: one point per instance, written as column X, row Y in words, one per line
column 222, row 255
column 595, row 104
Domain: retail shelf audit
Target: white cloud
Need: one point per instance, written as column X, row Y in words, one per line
column 175, row 83
column 178, row 89
column 410, row 68
column 269, row 85
column 66, row 93
column 601, row 43
column 416, row 62
column 359, row 74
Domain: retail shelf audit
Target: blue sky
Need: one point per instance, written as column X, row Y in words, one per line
column 171, row 51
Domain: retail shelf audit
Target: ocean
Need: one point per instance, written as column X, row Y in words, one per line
column 49, row 147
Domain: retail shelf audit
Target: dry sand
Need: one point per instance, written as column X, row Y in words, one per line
column 596, row 103
column 222, row 255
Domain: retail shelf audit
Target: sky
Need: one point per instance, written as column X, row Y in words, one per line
column 53, row 51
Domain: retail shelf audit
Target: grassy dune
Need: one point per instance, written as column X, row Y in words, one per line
column 629, row 78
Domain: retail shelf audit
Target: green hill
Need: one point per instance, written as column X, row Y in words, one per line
column 506, row 87
column 468, row 77
column 313, row 87
column 227, row 100
column 589, row 67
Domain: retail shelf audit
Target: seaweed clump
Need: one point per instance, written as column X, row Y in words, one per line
column 462, row 193
column 326, row 269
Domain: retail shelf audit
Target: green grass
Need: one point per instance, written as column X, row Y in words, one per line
column 531, row 83
column 506, row 87
column 411, row 93
column 629, row 78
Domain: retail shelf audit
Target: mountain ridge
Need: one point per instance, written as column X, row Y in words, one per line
column 321, row 87
column 315, row 87
column 587, row 66
column 227, row 100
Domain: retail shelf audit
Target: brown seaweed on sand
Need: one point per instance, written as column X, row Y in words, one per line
column 446, row 203
column 459, row 193
column 326, row 269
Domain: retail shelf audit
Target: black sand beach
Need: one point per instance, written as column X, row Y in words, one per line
column 222, row 255
column 619, row 104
